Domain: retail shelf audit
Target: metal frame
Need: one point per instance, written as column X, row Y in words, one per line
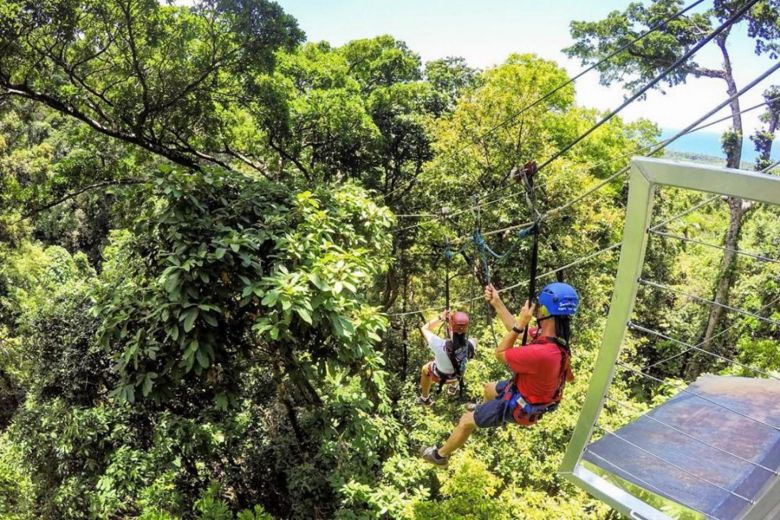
column 646, row 174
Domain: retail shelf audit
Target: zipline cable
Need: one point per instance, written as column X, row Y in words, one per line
column 686, row 212
column 483, row 203
column 634, row 326
column 719, row 334
column 596, row 65
column 665, row 143
column 771, row 166
column 655, row 149
column 681, row 60
column 715, row 246
column 705, row 300
column 712, row 198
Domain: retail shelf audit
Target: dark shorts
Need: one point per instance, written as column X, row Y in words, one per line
column 491, row 413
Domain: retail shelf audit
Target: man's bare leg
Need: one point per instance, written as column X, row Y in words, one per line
column 459, row 435
column 489, row 391
column 425, row 382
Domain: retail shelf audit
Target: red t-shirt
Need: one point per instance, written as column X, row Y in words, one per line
column 537, row 369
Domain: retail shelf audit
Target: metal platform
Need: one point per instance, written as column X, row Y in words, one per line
column 602, row 468
column 685, row 463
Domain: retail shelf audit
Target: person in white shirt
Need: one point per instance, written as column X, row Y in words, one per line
column 450, row 355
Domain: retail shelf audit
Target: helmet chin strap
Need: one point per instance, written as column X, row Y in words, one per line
column 539, row 321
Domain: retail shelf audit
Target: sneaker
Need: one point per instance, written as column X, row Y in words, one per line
column 431, row 454
column 452, row 390
column 424, row 401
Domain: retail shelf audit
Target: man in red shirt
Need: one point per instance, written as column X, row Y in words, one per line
column 539, row 369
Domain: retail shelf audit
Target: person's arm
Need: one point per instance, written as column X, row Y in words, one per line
column 427, row 329
column 493, row 298
column 526, row 313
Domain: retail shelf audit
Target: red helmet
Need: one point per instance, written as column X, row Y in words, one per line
column 459, row 322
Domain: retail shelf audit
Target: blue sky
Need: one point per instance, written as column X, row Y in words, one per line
column 486, row 32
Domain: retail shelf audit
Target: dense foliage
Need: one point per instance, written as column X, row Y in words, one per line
column 205, row 241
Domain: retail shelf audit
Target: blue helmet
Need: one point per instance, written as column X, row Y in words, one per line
column 560, row 299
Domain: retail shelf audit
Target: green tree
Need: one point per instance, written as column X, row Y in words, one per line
column 61, row 181
column 643, row 60
column 763, row 139
column 148, row 74
column 450, row 78
column 313, row 117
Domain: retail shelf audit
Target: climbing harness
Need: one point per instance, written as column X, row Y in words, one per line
column 458, row 355
column 525, row 413
column 459, row 358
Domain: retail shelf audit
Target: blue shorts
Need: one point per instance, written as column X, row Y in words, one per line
column 491, row 413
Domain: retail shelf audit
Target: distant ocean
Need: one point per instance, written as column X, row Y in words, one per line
column 708, row 143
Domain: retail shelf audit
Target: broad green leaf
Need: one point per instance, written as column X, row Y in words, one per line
column 209, row 318
column 304, row 314
column 173, row 331
column 221, row 401
column 203, row 359
column 148, row 383
column 189, row 318
column 269, row 300
column 172, row 282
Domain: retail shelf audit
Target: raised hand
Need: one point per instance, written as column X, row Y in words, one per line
column 526, row 313
column 491, row 295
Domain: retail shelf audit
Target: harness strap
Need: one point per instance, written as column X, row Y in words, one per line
column 535, row 411
column 457, row 375
column 443, row 378
column 532, row 277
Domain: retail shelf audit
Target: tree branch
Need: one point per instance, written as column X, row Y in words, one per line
column 102, row 184
column 708, row 73
column 249, row 162
column 281, row 151
column 25, row 92
column 136, row 63
column 649, row 57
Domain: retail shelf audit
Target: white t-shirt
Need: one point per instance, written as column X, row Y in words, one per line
column 443, row 362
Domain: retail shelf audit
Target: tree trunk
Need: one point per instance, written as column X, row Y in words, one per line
column 306, row 391
column 281, row 394
column 727, row 270
column 404, row 331
column 736, row 211
column 390, row 292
